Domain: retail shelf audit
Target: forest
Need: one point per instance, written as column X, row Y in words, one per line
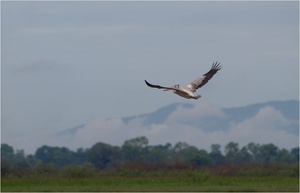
column 138, row 150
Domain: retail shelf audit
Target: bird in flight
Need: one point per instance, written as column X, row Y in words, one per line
column 189, row 90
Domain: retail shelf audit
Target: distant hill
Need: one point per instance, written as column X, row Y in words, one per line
column 289, row 109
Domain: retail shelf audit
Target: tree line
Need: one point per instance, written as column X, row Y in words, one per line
column 138, row 150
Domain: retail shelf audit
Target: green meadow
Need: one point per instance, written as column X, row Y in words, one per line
column 261, row 178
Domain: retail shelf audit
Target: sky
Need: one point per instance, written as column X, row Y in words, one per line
column 65, row 64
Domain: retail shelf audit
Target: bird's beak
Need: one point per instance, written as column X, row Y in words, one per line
column 167, row 89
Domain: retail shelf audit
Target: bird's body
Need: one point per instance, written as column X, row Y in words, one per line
column 189, row 90
column 186, row 93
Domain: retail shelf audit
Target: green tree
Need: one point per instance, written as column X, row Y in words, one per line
column 20, row 159
column 7, row 159
column 7, row 153
column 216, row 155
column 202, row 158
column 268, row 152
column 160, row 154
column 9, row 156
column 243, row 156
column 284, row 156
column 188, row 154
column 59, row 156
column 231, row 151
column 295, row 153
column 183, row 152
column 32, row 162
column 103, row 155
column 138, row 142
column 179, row 146
column 135, row 149
column 254, row 150
column 80, row 156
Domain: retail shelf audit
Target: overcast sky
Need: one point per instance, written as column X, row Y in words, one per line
column 70, row 63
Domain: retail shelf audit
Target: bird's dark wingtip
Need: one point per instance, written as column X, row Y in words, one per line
column 216, row 66
column 153, row 86
column 148, row 84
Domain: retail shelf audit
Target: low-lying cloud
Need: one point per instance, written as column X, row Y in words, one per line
column 200, row 111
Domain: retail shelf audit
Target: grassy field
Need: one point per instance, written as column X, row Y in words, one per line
column 221, row 178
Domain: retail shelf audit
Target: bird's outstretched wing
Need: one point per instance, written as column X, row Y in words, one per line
column 158, row 86
column 201, row 81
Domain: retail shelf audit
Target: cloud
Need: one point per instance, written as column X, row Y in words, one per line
column 199, row 111
column 267, row 118
column 99, row 130
column 265, row 127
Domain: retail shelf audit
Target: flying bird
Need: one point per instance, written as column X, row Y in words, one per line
column 189, row 90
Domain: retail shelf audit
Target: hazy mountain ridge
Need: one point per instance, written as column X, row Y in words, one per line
column 289, row 109
column 158, row 116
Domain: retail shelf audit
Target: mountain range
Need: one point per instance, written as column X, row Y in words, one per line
column 290, row 110
column 200, row 124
